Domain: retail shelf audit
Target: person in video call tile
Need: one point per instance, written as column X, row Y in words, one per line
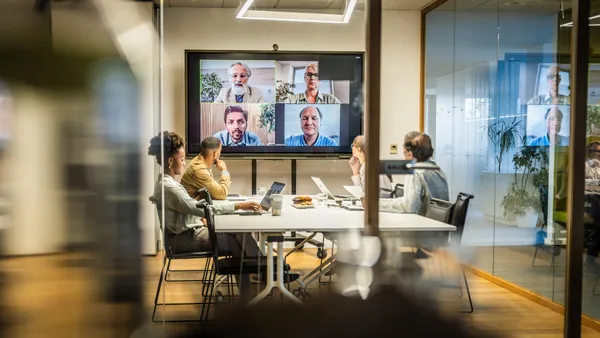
column 553, row 118
column 552, row 97
column 235, row 133
column 312, row 94
column 240, row 91
column 310, row 121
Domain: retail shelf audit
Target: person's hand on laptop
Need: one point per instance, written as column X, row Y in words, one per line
column 251, row 205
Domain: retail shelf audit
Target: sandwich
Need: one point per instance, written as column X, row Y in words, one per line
column 303, row 200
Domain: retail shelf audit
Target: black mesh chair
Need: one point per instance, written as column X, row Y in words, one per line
column 170, row 255
column 398, row 190
column 454, row 214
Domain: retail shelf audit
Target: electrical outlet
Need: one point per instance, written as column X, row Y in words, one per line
column 393, row 148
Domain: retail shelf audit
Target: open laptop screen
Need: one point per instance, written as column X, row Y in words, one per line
column 276, row 188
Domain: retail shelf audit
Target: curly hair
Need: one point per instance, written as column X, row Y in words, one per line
column 172, row 143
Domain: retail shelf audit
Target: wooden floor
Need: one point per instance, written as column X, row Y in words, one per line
column 58, row 296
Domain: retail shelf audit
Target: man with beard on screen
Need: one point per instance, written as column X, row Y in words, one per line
column 240, row 91
column 235, row 133
column 310, row 122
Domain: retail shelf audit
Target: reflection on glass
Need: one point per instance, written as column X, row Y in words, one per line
column 498, row 108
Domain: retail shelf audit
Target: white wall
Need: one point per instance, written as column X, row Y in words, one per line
column 217, row 29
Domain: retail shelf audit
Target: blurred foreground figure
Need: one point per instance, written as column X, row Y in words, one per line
column 387, row 313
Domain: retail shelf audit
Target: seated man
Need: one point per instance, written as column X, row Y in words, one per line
column 422, row 185
column 199, row 174
column 310, row 122
column 235, row 133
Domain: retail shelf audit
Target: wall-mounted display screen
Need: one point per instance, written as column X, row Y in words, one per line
column 274, row 103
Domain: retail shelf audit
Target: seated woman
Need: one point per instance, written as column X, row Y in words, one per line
column 592, row 165
column 185, row 230
column 357, row 164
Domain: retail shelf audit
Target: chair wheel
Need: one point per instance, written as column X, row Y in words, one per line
column 219, row 297
column 321, row 253
column 297, row 293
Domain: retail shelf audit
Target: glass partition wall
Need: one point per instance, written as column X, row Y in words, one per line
column 498, row 73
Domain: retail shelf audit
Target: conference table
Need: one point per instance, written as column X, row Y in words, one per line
column 322, row 218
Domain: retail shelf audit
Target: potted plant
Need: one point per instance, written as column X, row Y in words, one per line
column 210, row 86
column 593, row 118
column 522, row 200
column 267, row 117
column 283, row 90
column 504, row 136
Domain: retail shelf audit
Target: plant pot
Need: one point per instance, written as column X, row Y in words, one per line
column 529, row 220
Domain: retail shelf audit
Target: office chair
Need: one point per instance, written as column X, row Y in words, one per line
column 169, row 256
column 398, row 190
column 454, row 214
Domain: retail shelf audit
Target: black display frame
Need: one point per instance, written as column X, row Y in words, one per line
column 192, row 101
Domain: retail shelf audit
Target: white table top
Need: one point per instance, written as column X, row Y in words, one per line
column 324, row 219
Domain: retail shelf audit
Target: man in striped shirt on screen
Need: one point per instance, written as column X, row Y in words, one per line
column 235, row 133
column 310, row 122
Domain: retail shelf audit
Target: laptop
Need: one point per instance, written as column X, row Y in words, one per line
column 326, row 191
column 276, row 188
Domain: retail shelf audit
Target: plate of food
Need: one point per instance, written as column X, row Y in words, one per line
column 303, row 202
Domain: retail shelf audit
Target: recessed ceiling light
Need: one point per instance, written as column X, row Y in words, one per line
column 244, row 12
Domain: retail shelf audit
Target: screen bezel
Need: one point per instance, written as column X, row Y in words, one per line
column 278, row 151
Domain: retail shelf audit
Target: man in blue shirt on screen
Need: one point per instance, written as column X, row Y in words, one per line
column 235, row 133
column 310, row 122
column 553, row 118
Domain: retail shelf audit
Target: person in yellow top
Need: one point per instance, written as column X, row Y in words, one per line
column 198, row 173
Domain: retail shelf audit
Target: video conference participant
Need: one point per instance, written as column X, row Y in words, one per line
column 357, row 164
column 553, row 118
column 240, row 91
column 552, row 97
column 199, row 174
column 312, row 94
column 310, row 122
column 422, row 185
column 235, row 133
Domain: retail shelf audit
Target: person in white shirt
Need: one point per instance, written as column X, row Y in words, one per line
column 422, row 185
column 357, row 164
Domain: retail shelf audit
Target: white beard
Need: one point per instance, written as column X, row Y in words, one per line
column 239, row 90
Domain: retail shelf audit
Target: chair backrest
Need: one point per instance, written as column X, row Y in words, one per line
column 209, row 215
column 459, row 214
column 440, row 210
column 168, row 250
column 398, row 190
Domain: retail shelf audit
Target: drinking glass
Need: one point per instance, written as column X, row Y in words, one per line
column 322, row 199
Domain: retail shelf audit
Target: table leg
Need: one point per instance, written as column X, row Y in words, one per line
column 270, row 282
column 279, row 284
